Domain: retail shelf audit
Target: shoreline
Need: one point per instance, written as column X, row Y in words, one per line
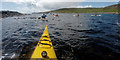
column 1, row 16
column 92, row 12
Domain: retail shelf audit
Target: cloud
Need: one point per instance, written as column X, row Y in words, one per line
column 46, row 5
column 62, row 0
column 42, row 6
column 18, row 1
column 21, row 1
column 29, row 6
column 87, row 6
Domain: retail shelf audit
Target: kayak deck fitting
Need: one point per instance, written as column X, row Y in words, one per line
column 44, row 48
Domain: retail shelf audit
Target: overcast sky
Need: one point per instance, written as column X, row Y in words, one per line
column 29, row 6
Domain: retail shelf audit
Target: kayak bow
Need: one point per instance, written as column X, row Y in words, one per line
column 44, row 48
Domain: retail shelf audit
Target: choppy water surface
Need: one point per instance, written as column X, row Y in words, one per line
column 73, row 38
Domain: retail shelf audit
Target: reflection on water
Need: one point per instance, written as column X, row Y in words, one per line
column 74, row 37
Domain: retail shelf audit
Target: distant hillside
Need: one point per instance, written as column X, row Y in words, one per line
column 113, row 6
column 4, row 14
column 108, row 9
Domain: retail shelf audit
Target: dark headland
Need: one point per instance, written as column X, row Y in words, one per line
column 4, row 14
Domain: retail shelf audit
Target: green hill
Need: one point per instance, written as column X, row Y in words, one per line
column 108, row 9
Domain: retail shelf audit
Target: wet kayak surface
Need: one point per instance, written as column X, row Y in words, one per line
column 73, row 37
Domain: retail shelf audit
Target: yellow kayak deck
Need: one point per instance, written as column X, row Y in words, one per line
column 44, row 44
